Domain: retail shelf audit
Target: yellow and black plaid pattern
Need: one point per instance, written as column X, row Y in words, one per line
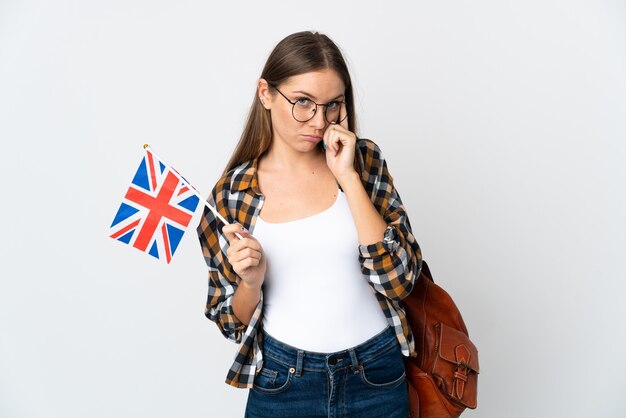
column 390, row 266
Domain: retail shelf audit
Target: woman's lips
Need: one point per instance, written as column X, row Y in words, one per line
column 312, row 138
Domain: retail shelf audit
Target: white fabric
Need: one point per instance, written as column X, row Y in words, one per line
column 315, row 296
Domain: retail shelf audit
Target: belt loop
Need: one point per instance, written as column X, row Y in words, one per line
column 355, row 362
column 299, row 363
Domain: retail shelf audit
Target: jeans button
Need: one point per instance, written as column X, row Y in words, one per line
column 333, row 361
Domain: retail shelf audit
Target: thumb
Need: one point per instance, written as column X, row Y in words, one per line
column 234, row 232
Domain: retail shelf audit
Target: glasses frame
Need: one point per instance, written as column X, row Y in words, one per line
column 293, row 108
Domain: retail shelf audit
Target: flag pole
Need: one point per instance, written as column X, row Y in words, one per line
column 195, row 191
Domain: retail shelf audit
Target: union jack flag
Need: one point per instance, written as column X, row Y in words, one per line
column 156, row 209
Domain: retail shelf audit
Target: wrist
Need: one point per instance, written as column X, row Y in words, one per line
column 250, row 288
column 348, row 179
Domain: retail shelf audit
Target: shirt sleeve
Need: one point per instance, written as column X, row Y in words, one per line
column 222, row 278
column 392, row 264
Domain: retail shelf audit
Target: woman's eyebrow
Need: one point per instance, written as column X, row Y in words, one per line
column 315, row 98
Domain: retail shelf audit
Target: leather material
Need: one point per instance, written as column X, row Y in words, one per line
column 460, row 374
column 443, row 376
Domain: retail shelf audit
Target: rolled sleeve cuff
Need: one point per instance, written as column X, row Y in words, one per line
column 233, row 330
column 231, row 326
column 389, row 244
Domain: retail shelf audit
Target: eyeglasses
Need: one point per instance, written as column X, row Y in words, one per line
column 304, row 109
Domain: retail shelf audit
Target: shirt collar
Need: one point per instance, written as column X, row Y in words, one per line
column 245, row 177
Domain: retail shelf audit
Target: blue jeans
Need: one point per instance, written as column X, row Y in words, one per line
column 365, row 381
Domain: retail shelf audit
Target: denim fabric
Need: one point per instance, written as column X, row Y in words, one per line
column 365, row 381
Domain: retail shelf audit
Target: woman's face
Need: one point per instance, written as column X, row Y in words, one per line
column 321, row 87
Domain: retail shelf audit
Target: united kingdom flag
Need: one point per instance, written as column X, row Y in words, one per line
column 156, row 209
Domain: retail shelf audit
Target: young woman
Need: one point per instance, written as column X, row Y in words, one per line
column 309, row 276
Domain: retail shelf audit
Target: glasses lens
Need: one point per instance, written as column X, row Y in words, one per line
column 336, row 112
column 303, row 110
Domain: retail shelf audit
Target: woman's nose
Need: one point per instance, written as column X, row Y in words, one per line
column 318, row 120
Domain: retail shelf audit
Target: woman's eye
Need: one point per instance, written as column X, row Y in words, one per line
column 302, row 101
column 333, row 105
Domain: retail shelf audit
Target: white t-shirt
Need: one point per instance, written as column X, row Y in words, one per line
column 315, row 296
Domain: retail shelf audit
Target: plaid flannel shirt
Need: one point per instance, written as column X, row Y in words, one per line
column 390, row 266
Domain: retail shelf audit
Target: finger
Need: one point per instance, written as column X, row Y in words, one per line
column 240, row 269
column 344, row 137
column 244, row 265
column 250, row 262
column 331, row 137
column 243, row 254
column 326, row 136
column 335, row 140
column 245, row 243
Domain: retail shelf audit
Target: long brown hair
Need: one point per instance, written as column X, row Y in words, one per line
column 296, row 54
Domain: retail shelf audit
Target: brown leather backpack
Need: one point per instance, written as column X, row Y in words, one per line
column 443, row 378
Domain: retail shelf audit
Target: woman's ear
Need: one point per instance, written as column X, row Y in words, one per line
column 263, row 91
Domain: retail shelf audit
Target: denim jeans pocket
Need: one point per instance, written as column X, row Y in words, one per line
column 385, row 370
column 274, row 378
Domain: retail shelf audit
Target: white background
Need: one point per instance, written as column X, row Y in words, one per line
column 504, row 126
